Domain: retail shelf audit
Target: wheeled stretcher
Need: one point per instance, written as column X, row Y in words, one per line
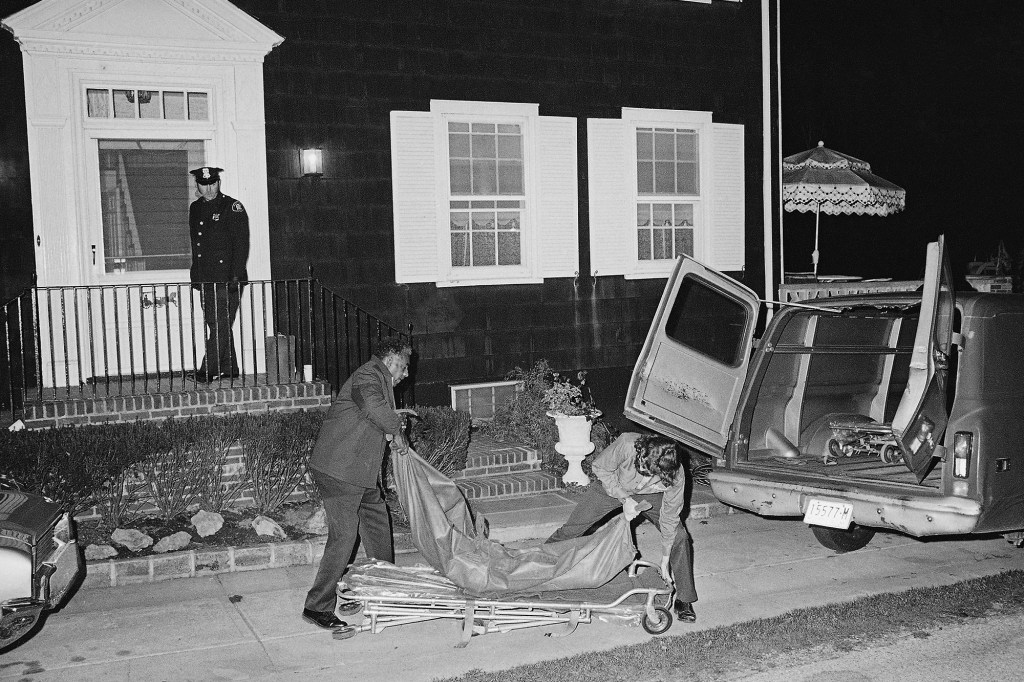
column 390, row 595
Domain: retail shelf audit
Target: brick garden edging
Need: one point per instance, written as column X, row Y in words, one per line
column 200, row 563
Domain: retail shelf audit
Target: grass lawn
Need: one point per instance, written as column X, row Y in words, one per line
column 763, row 644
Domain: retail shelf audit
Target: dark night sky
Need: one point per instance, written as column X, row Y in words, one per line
column 928, row 92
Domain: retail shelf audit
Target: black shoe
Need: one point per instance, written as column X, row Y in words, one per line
column 683, row 611
column 324, row 619
column 348, row 607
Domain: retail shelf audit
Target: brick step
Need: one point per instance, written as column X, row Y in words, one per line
column 508, row 485
column 489, row 458
column 471, row 473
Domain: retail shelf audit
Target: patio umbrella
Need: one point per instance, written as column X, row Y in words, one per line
column 826, row 181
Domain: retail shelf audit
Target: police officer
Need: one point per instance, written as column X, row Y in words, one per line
column 219, row 228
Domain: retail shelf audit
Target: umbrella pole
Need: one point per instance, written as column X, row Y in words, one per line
column 814, row 256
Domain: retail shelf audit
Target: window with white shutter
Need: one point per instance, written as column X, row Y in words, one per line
column 664, row 183
column 484, row 193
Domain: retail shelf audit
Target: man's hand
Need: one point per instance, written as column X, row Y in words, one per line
column 630, row 508
column 666, row 572
column 400, row 444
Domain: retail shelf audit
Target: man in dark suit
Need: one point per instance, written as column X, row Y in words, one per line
column 346, row 467
column 219, row 228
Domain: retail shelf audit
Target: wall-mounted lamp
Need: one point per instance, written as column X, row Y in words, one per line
column 312, row 161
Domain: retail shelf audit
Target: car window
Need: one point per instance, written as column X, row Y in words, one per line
column 708, row 321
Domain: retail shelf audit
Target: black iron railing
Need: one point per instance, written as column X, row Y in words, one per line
column 68, row 343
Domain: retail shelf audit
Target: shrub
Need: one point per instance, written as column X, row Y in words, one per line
column 71, row 465
column 441, row 437
column 212, row 442
column 173, row 478
column 523, row 418
column 122, row 489
column 276, row 448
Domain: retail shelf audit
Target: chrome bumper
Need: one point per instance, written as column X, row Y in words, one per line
column 18, row 617
column 917, row 516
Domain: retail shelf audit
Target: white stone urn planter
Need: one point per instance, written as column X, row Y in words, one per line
column 574, row 443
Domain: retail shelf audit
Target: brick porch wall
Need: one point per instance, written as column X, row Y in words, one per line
column 202, row 401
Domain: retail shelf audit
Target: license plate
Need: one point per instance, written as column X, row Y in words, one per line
column 828, row 513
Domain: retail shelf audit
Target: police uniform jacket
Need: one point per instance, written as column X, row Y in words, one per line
column 219, row 229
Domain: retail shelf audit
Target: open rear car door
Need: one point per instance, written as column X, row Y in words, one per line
column 921, row 416
column 690, row 373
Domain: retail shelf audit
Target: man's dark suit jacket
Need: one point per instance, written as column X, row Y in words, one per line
column 350, row 445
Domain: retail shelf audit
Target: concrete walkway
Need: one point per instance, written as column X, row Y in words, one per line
column 247, row 625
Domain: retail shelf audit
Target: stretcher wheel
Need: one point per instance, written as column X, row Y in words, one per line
column 345, row 632
column 656, row 627
column 891, row 454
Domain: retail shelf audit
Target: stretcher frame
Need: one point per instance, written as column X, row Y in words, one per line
column 480, row 616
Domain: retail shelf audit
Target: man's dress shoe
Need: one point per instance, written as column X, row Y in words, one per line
column 324, row 619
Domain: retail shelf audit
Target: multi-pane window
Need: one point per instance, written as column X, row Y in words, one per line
column 145, row 191
column 176, row 105
column 486, row 193
column 668, row 186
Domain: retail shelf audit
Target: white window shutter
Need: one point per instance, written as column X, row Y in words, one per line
column 726, row 241
column 414, row 195
column 609, row 202
column 557, row 197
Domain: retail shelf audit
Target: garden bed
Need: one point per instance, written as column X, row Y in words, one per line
column 237, row 530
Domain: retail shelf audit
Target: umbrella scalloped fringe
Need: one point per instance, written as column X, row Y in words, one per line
column 833, row 200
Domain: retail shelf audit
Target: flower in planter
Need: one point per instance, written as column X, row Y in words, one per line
column 569, row 399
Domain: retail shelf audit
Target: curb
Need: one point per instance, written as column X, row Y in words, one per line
column 209, row 562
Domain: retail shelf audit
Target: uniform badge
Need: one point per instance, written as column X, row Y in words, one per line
column 216, row 216
column 237, row 207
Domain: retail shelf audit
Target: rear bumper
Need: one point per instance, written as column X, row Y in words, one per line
column 17, row 618
column 913, row 515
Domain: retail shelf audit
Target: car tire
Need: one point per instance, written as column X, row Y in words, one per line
column 843, row 541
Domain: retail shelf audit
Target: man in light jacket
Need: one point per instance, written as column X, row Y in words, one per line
column 346, row 468
column 634, row 470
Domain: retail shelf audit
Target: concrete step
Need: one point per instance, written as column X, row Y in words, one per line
column 508, row 485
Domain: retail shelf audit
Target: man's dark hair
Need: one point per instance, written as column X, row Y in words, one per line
column 662, row 456
column 392, row 345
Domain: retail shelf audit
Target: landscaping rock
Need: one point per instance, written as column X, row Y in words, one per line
column 131, row 539
column 264, row 525
column 317, row 523
column 172, row 543
column 207, row 523
column 99, row 552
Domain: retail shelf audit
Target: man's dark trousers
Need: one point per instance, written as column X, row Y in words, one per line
column 351, row 510
column 597, row 505
column 220, row 305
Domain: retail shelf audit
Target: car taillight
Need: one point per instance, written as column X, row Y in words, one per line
column 963, row 444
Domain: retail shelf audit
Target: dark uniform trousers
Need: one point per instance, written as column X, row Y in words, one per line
column 352, row 511
column 220, row 305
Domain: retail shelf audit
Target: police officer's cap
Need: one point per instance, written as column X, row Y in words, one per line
column 206, row 175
